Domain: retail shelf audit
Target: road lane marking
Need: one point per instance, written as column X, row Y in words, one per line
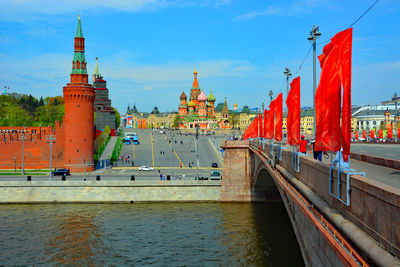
column 173, row 150
column 152, row 149
column 108, row 170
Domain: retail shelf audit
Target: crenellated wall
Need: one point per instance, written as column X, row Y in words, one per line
column 36, row 147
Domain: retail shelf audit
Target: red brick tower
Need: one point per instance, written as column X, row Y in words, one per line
column 79, row 101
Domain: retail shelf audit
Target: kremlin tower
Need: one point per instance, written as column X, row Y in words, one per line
column 79, row 103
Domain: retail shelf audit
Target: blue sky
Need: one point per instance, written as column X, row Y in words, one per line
column 148, row 49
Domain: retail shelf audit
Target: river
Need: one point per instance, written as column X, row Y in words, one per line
column 159, row 234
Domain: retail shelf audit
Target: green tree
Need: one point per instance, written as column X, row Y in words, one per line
column 117, row 118
column 177, row 121
column 234, row 119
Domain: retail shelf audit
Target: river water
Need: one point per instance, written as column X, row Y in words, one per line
column 170, row 234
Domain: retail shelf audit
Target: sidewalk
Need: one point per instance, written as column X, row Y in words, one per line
column 109, row 148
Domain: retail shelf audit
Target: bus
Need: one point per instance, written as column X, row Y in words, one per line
column 127, row 140
column 135, row 140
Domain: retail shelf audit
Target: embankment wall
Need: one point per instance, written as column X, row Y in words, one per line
column 108, row 191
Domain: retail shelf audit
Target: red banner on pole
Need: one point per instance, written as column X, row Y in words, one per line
column 278, row 110
column 293, row 116
column 327, row 102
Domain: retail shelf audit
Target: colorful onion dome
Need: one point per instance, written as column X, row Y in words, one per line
column 191, row 104
column 208, row 105
column 202, row 97
column 183, row 95
column 211, row 97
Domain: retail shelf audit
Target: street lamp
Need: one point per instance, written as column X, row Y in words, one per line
column 270, row 95
column 51, row 139
column 288, row 74
column 22, row 138
column 314, row 35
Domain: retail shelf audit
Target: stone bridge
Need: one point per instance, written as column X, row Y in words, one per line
column 350, row 225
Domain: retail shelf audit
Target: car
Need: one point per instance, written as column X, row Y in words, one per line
column 145, row 168
column 214, row 165
column 61, row 172
column 215, row 173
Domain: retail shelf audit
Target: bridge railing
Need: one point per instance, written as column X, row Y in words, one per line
column 374, row 207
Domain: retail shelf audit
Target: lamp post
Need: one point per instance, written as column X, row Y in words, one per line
column 50, row 139
column 270, row 95
column 197, row 149
column 314, row 34
column 288, row 74
column 22, row 138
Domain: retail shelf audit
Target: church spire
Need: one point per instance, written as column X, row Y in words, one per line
column 195, row 82
column 96, row 68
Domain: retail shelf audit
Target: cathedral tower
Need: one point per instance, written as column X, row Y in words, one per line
column 79, row 101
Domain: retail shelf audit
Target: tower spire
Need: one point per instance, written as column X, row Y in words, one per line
column 96, row 68
column 79, row 28
column 79, row 62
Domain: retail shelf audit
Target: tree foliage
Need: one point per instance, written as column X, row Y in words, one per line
column 26, row 110
column 117, row 118
column 177, row 121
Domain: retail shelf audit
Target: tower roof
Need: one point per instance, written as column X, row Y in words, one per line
column 183, row 95
column 211, row 97
column 79, row 28
column 225, row 109
column 195, row 82
column 191, row 104
column 202, row 96
column 96, row 69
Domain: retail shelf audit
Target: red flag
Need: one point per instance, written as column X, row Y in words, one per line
column 380, row 134
column 278, row 117
column 389, row 133
column 293, row 117
column 372, row 133
column 265, row 123
column 260, row 124
column 364, row 134
column 343, row 41
column 327, row 103
column 356, row 135
column 270, row 123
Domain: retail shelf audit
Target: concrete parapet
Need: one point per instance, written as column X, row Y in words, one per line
column 374, row 208
column 385, row 162
column 108, row 191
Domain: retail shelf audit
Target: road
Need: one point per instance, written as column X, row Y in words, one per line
column 168, row 149
column 391, row 151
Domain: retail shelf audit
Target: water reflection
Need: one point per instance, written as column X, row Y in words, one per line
column 74, row 238
column 191, row 234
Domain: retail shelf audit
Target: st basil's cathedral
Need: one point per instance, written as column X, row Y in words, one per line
column 200, row 110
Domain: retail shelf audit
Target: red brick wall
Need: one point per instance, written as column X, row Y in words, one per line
column 36, row 148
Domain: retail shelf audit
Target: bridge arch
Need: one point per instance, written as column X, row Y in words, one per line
column 264, row 187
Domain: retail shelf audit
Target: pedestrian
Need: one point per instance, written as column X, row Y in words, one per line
column 160, row 177
column 303, row 145
column 317, row 154
column 126, row 160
